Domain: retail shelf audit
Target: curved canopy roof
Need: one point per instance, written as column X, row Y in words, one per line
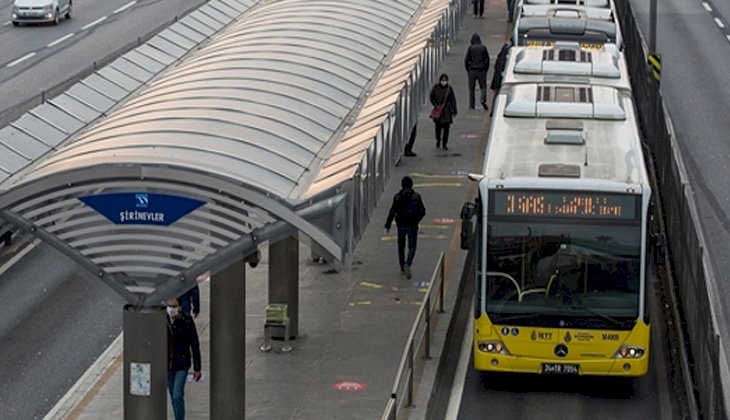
column 259, row 104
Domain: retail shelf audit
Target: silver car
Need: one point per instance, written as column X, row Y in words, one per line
column 40, row 11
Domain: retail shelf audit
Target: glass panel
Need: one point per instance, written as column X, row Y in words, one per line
column 563, row 274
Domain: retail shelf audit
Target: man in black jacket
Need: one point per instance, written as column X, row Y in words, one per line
column 407, row 210
column 477, row 65
column 182, row 340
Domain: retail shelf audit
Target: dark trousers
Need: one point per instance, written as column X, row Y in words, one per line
column 442, row 133
column 411, row 234
column 510, row 9
column 409, row 145
column 481, row 77
column 7, row 238
column 478, row 7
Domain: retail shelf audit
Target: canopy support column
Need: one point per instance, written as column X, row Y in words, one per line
column 284, row 281
column 145, row 363
column 228, row 342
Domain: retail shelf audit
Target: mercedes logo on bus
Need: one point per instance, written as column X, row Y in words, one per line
column 561, row 350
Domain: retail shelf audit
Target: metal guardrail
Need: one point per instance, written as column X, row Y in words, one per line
column 696, row 284
column 418, row 339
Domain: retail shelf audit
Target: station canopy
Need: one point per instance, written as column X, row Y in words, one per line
column 226, row 130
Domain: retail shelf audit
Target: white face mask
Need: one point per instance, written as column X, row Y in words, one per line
column 172, row 311
column 444, row 83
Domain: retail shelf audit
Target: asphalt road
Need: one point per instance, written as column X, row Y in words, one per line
column 39, row 59
column 695, row 61
column 53, row 323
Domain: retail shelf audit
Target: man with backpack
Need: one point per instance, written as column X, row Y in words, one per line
column 407, row 210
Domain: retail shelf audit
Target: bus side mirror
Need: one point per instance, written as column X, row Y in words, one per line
column 467, row 230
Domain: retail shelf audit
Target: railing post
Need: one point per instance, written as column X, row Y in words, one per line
column 442, row 271
column 410, row 375
column 427, row 354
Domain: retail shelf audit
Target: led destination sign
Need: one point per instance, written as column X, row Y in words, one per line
column 565, row 204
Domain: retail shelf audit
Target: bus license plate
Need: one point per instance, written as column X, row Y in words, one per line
column 559, row 369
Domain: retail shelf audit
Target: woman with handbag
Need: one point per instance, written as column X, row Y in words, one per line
column 444, row 109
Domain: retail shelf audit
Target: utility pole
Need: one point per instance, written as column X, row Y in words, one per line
column 652, row 26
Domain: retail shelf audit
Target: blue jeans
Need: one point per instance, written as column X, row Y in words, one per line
column 410, row 233
column 176, row 385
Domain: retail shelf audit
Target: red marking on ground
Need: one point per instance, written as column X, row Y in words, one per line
column 443, row 220
column 349, row 386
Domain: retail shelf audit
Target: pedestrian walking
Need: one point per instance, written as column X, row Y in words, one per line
column 190, row 302
column 182, row 343
column 478, row 8
column 411, row 141
column 476, row 63
column 407, row 210
column 498, row 72
column 444, row 110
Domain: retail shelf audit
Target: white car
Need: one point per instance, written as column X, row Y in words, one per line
column 40, row 11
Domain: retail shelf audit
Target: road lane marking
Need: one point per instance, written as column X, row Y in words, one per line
column 707, row 6
column 96, row 22
column 21, row 59
column 60, row 40
column 7, row 23
column 719, row 23
column 728, row 38
column 19, row 255
column 125, row 7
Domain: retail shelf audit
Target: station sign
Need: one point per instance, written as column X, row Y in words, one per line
column 141, row 208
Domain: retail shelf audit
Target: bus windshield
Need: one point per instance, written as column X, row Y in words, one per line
column 563, row 273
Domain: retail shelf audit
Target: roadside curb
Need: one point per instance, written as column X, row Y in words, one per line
column 95, row 377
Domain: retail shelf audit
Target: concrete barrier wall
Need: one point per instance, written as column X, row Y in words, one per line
column 695, row 281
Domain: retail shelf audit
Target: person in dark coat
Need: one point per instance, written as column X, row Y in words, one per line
column 498, row 72
column 510, row 10
column 443, row 94
column 190, row 302
column 476, row 63
column 407, row 210
column 182, row 343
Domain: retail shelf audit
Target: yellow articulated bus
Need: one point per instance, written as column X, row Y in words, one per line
column 562, row 221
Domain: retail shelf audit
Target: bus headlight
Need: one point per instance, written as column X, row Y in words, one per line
column 629, row 352
column 492, row 346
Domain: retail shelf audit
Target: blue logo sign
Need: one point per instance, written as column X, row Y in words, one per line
column 505, row 330
column 142, row 200
column 141, row 208
column 515, row 331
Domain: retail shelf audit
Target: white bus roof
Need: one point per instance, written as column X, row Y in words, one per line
column 575, row 136
column 597, row 64
column 586, row 3
column 566, row 23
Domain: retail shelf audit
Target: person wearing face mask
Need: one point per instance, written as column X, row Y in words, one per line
column 444, row 102
column 182, row 343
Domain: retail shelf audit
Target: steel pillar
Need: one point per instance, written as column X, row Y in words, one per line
column 145, row 363
column 228, row 342
column 284, row 281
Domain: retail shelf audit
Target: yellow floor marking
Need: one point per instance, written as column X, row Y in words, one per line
column 372, row 285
